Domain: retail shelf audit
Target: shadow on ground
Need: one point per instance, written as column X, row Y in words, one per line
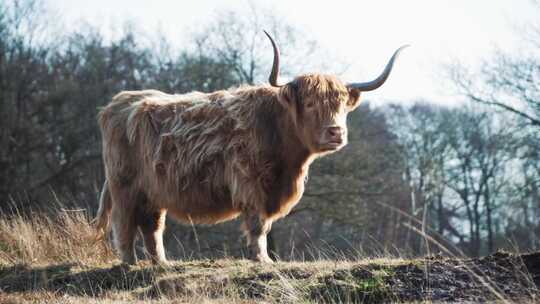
column 70, row 279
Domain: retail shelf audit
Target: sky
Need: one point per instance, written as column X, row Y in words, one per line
column 363, row 34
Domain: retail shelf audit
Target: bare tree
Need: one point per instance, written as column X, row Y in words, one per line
column 510, row 82
column 482, row 148
column 420, row 130
column 236, row 39
column 459, row 167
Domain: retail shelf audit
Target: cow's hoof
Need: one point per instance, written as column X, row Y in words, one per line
column 161, row 263
column 129, row 262
column 128, row 258
column 125, row 266
column 263, row 259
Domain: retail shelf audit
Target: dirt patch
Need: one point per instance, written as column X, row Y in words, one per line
column 495, row 277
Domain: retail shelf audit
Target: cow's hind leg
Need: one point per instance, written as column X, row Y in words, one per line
column 152, row 224
column 124, row 232
column 124, row 224
column 256, row 228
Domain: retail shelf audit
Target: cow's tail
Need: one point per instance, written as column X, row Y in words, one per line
column 101, row 222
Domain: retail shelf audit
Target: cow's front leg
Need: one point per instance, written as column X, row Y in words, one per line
column 256, row 228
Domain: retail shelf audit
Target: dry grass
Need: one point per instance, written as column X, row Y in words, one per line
column 45, row 260
column 41, row 240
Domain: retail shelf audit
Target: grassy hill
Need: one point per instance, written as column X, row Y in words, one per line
column 44, row 260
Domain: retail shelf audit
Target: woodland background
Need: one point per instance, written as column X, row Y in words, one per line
column 467, row 175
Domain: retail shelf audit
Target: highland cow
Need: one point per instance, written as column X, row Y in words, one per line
column 206, row 158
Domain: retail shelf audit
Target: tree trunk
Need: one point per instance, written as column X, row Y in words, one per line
column 440, row 214
column 489, row 219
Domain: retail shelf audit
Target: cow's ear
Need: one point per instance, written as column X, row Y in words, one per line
column 158, row 116
column 288, row 95
column 354, row 99
column 289, row 98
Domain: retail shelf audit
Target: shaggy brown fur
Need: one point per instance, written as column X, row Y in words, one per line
column 208, row 158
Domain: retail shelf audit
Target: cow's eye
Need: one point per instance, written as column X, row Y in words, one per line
column 310, row 105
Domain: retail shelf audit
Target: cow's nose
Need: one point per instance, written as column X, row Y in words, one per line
column 335, row 133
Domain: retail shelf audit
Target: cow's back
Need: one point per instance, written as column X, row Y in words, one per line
column 127, row 137
column 174, row 148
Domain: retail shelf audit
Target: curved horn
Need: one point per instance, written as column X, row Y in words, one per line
column 377, row 82
column 275, row 65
